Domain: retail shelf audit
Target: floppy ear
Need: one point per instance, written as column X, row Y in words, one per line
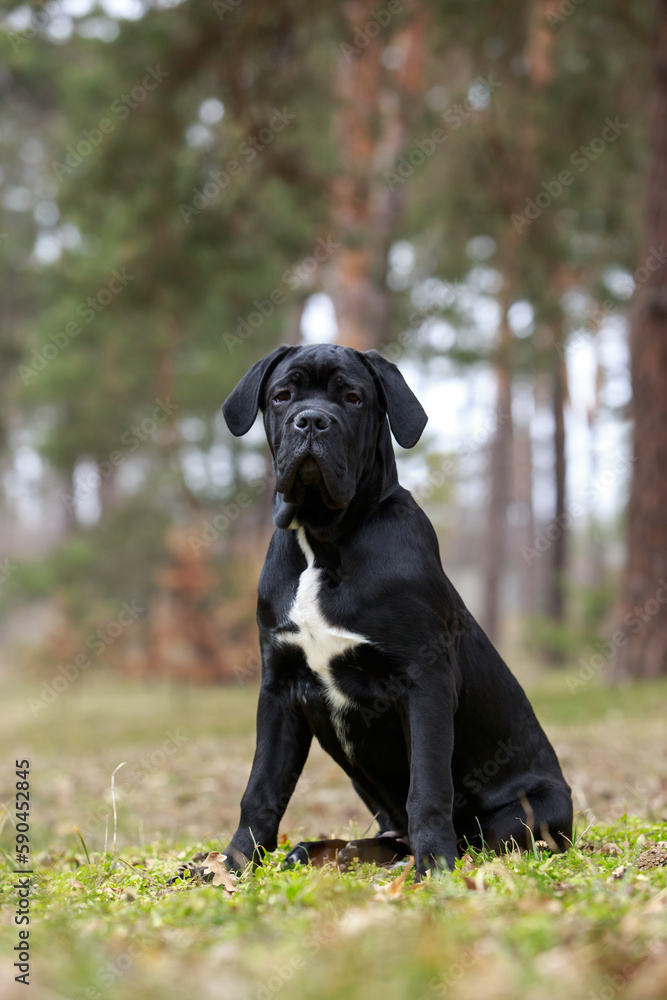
column 241, row 406
column 407, row 417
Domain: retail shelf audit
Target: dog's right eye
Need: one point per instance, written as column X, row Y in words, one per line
column 282, row 397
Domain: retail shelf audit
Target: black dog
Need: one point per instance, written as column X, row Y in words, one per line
column 365, row 643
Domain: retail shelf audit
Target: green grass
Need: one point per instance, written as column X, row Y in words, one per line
column 515, row 923
column 531, row 925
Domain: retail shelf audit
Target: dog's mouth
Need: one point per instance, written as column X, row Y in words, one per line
column 309, row 474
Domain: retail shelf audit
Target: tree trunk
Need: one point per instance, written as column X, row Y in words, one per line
column 525, row 532
column 556, row 583
column 371, row 130
column 500, row 488
column 641, row 613
column 539, row 50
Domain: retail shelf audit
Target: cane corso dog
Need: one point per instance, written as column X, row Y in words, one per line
column 365, row 643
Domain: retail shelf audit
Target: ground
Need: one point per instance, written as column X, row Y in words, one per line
column 588, row 924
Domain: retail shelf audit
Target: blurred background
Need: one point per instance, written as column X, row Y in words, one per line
column 476, row 190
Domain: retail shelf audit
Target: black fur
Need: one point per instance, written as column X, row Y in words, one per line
column 447, row 749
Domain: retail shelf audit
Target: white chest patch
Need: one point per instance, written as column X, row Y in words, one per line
column 320, row 641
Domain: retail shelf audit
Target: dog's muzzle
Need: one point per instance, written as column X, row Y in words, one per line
column 311, row 458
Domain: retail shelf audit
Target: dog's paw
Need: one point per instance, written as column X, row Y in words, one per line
column 189, row 871
column 436, row 860
column 213, row 870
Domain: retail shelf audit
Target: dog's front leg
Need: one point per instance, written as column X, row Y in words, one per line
column 283, row 742
column 428, row 718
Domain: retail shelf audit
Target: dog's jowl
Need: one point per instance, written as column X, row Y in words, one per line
column 365, row 643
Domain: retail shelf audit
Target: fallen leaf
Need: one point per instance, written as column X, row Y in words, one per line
column 611, row 848
column 395, row 887
column 214, row 864
column 476, row 882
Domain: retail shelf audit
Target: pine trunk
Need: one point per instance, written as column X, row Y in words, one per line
column 371, row 131
column 642, row 610
column 556, row 583
column 500, row 490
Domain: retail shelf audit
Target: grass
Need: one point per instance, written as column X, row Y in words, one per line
column 587, row 924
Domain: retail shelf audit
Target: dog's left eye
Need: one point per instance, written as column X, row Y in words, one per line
column 282, row 397
column 353, row 398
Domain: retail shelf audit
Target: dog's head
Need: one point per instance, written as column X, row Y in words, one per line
column 325, row 415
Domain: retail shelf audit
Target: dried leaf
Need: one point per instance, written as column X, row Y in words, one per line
column 396, row 887
column 611, row 848
column 476, row 882
column 214, row 864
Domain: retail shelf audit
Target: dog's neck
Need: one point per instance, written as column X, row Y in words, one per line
column 377, row 482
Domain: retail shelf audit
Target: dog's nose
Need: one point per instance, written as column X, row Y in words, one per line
column 314, row 420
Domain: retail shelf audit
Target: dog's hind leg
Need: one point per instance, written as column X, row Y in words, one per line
column 542, row 816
